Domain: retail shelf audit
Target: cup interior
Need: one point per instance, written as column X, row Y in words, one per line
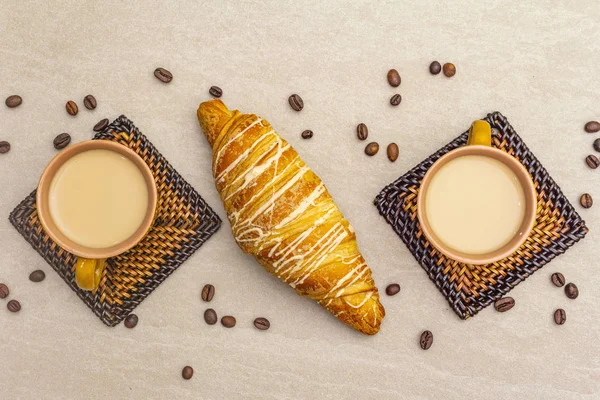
column 43, row 196
column 528, row 219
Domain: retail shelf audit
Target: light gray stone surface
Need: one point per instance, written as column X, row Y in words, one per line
column 537, row 62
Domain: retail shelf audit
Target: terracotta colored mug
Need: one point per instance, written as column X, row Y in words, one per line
column 479, row 143
column 91, row 261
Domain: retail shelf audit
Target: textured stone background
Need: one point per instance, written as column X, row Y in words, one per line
column 536, row 63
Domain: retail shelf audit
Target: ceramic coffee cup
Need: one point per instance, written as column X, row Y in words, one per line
column 91, row 261
column 479, row 143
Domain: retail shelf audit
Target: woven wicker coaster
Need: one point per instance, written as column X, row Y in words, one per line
column 470, row 288
column 184, row 222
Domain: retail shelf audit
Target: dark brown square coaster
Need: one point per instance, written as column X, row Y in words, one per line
column 470, row 288
column 184, row 222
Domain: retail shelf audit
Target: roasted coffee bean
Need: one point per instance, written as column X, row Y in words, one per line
column 4, row 292
column 395, row 99
column 37, row 276
column 4, row 147
column 262, row 324
column 592, row 161
column 393, row 78
column 504, row 304
column 571, row 291
column 586, row 200
column 101, row 125
column 307, row 134
column 210, row 316
column 13, row 306
column 90, row 102
column 215, row 91
column 187, row 372
column 13, row 101
column 62, row 141
column 296, row 102
column 362, row 131
column 560, row 316
column 558, row 279
column 208, row 291
column 592, row 127
column 435, row 68
column 392, row 289
column 71, row 107
column 392, row 152
column 163, row 75
column 131, row 321
column 372, row 149
column 597, row 144
column 449, row 70
column 426, row 340
column 228, row 321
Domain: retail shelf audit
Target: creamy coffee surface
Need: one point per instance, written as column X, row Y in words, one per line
column 475, row 204
column 98, row 198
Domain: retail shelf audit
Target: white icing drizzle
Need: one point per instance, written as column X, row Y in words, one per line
column 362, row 303
column 241, row 157
column 292, row 262
column 257, row 170
column 346, row 277
column 234, row 216
column 303, row 206
column 234, row 138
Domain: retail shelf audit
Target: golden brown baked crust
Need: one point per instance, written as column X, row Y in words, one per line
column 282, row 214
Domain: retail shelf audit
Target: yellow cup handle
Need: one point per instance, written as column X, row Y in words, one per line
column 480, row 134
column 88, row 272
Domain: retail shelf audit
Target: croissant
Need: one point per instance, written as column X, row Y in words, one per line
column 282, row 214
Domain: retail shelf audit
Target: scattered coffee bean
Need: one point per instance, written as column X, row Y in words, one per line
column 392, row 152
column 4, row 292
column 372, row 149
column 296, row 102
column 597, row 144
column 592, row 127
column 228, row 321
column 592, row 161
column 395, row 99
column 362, row 131
column 586, row 200
column 435, row 68
column 101, row 125
column 210, row 316
column 187, row 372
column 560, row 316
column 163, row 75
column 393, row 78
column 449, row 70
column 208, row 291
column 90, row 102
column 13, row 306
column 37, row 276
column 4, row 147
column 13, row 101
column 131, row 321
column 62, row 141
column 71, row 107
column 215, row 91
column 504, row 304
column 571, row 291
column 307, row 134
column 426, row 340
column 558, row 279
column 262, row 324
column 392, row 289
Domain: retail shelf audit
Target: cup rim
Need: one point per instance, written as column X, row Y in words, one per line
column 50, row 227
column 530, row 205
